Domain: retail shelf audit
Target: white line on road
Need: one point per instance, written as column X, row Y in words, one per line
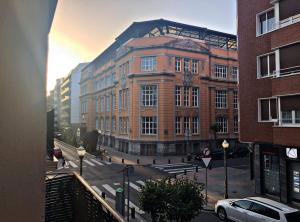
column 107, row 162
column 72, row 164
column 97, row 190
column 140, row 182
column 186, row 168
column 116, row 184
column 109, row 189
column 170, row 165
column 89, row 162
column 95, row 161
column 138, row 210
column 132, row 185
column 180, row 171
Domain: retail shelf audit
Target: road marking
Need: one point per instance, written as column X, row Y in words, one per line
column 97, row 190
column 108, row 163
column 109, row 189
column 137, row 209
column 180, row 171
column 89, row 162
column 95, row 161
column 132, row 185
column 140, row 182
column 170, row 165
column 186, row 168
column 72, row 164
column 116, row 184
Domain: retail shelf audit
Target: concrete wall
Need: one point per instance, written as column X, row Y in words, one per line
column 24, row 29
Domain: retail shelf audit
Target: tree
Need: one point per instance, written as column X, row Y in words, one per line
column 177, row 200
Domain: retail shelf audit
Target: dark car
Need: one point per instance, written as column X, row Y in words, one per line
column 57, row 152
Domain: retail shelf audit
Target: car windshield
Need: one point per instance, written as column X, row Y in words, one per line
column 293, row 217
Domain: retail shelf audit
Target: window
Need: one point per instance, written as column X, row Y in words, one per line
column 177, row 125
column 178, row 96
column 186, row 96
column 120, row 100
column 266, row 65
column 97, row 124
column 113, row 102
column 84, row 90
column 235, row 99
column 222, row 124
column 195, row 96
column 126, row 98
column 97, row 105
column 271, row 173
column 149, row 125
column 221, row 71
column 107, row 103
column 290, row 109
column 84, row 107
column 265, row 211
column 148, row 64
column 102, row 104
column 266, row 22
column 178, row 64
column 195, row 126
column 289, row 59
column 186, row 65
column 268, row 109
column 195, row 66
column 235, row 72
column 244, row 204
column 235, row 124
column 186, row 124
column 113, row 123
column 120, row 124
column 221, row 99
column 107, row 124
column 149, row 95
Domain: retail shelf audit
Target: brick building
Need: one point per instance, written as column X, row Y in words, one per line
column 269, row 61
column 160, row 86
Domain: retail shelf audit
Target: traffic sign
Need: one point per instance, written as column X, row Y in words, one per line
column 206, row 161
column 206, row 152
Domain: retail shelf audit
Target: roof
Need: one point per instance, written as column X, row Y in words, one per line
column 164, row 27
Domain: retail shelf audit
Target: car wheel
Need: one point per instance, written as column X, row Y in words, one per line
column 222, row 214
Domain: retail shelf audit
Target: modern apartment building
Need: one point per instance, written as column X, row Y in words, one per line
column 159, row 88
column 70, row 92
column 57, row 103
column 269, row 85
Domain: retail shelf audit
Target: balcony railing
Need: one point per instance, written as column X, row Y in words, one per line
column 289, row 21
column 69, row 198
column 287, row 71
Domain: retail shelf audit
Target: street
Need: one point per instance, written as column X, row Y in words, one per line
column 105, row 176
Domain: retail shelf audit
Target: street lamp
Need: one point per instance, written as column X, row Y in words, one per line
column 81, row 152
column 225, row 146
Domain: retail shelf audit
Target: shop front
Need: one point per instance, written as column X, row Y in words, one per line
column 293, row 159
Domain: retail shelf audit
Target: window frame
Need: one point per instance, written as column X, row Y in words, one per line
column 186, row 96
column 224, row 125
column 178, row 125
column 258, row 23
column 195, row 125
column 186, row 64
column 178, row 64
column 258, row 65
column 270, row 117
column 195, row 66
column 149, row 125
column 148, row 63
column 178, row 95
column 148, row 95
column 219, row 101
column 218, row 71
column 195, row 96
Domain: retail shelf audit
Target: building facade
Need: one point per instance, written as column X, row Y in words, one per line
column 269, row 52
column 70, row 92
column 159, row 88
column 57, row 103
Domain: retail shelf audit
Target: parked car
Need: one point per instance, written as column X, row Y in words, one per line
column 57, row 152
column 255, row 209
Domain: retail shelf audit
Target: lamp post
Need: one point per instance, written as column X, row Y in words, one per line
column 225, row 146
column 81, row 152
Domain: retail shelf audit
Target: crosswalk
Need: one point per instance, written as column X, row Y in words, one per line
column 176, row 168
column 86, row 162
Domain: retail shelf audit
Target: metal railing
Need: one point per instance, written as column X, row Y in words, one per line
column 69, row 198
column 289, row 21
column 287, row 71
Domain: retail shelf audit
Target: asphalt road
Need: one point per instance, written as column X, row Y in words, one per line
column 106, row 177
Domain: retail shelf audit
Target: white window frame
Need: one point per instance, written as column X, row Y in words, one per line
column 222, row 125
column 178, row 95
column 97, row 123
column 149, row 95
column 195, row 66
column 235, row 100
column 293, row 112
column 277, row 64
column 235, row 123
column 148, row 63
column 177, row 125
column 195, row 125
column 221, row 99
column 258, row 25
column 259, row 109
column 149, row 125
column 186, row 96
column 102, row 104
column 221, row 71
column 186, row 123
column 235, row 72
column 178, row 64
column 186, row 64
column 107, row 103
column 195, row 96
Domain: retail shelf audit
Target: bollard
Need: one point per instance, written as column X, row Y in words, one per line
column 184, row 172
column 153, row 161
column 197, row 169
column 175, row 175
column 109, row 159
column 132, row 212
column 169, row 161
column 122, row 160
column 138, row 161
column 182, row 160
column 103, row 195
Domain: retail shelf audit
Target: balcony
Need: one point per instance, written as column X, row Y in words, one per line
column 66, row 98
column 289, row 21
column 64, row 91
column 70, row 198
column 287, row 71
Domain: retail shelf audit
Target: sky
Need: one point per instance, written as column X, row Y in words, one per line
column 82, row 29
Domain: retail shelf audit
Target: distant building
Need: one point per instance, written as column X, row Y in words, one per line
column 269, row 61
column 50, row 101
column 70, row 92
column 57, row 104
column 160, row 87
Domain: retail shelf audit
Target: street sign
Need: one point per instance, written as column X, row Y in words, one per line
column 206, row 152
column 206, row 161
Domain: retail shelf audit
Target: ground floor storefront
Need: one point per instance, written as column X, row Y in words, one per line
column 277, row 172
